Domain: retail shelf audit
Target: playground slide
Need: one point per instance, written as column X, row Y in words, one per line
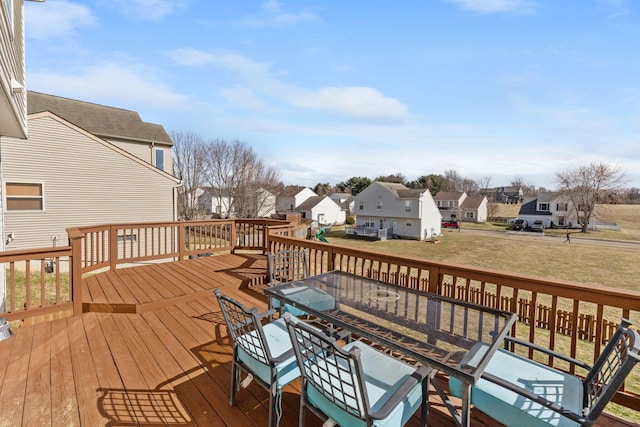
column 320, row 236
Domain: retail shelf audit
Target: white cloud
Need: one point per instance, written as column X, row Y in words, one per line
column 116, row 84
column 348, row 103
column 274, row 15
column 496, row 6
column 357, row 103
column 56, row 19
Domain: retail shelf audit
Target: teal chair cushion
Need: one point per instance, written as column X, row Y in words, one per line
column 383, row 375
column 311, row 297
column 513, row 409
column 279, row 342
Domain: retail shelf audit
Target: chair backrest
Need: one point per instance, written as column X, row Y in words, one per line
column 245, row 328
column 335, row 373
column 610, row 369
column 287, row 266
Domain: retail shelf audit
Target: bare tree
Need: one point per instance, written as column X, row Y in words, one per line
column 238, row 178
column 188, row 166
column 485, row 182
column 588, row 185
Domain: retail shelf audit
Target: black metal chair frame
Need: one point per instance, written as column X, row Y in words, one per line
column 246, row 324
column 308, row 343
column 602, row 381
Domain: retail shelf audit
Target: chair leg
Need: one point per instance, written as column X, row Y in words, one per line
column 301, row 416
column 235, row 372
column 273, row 401
column 424, row 411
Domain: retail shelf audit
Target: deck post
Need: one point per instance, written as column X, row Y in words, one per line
column 113, row 247
column 75, row 273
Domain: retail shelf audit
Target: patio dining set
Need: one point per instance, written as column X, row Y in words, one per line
column 368, row 352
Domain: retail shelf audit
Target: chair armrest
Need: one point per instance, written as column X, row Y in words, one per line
column 266, row 314
column 579, row 418
column 421, row 374
column 549, row 352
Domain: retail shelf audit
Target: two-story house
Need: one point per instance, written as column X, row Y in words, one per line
column 457, row 205
column 63, row 175
column 510, row 194
column 393, row 210
column 552, row 208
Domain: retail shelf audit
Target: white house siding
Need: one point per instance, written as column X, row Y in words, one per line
column 422, row 221
column 327, row 212
column 85, row 181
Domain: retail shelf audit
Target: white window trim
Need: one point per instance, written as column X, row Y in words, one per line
column 155, row 157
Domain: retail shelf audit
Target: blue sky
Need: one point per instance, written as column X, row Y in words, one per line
column 327, row 90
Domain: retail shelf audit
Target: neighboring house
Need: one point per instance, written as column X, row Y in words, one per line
column 123, row 128
column 475, row 209
column 64, row 176
column 450, row 204
column 323, row 210
column 345, row 200
column 509, row 194
column 457, row 205
column 220, row 203
column 552, row 208
column 293, row 197
column 393, row 210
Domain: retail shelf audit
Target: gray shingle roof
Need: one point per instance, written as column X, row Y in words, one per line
column 100, row 120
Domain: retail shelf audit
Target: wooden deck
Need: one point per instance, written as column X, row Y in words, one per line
column 152, row 351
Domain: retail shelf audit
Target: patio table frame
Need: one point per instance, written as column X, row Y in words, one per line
column 423, row 327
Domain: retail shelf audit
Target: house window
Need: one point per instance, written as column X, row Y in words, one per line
column 469, row 214
column 158, row 157
column 439, row 203
column 407, row 206
column 379, row 206
column 560, row 220
column 361, row 205
column 24, row 196
column 544, row 207
column 408, row 224
column 561, row 207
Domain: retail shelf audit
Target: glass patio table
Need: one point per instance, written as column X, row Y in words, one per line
column 430, row 329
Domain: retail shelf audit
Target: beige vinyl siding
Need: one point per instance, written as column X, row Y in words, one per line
column 145, row 151
column 86, row 182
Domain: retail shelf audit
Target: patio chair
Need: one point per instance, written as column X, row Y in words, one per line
column 520, row 392
column 263, row 352
column 287, row 266
column 355, row 385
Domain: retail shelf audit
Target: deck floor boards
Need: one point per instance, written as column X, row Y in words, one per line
column 168, row 363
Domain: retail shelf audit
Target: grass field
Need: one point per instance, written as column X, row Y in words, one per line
column 545, row 256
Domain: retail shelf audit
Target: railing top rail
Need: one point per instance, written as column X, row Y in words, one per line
column 34, row 253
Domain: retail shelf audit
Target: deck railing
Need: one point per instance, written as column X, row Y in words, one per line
column 40, row 282
column 572, row 318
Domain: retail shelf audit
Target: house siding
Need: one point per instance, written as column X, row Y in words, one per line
column 144, row 151
column 85, row 182
column 13, row 106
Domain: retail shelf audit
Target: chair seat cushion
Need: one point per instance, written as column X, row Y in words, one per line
column 308, row 296
column 279, row 342
column 513, row 409
column 383, row 375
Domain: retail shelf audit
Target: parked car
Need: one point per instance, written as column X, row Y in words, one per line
column 519, row 225
column 537, row 225
column 451, row 224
